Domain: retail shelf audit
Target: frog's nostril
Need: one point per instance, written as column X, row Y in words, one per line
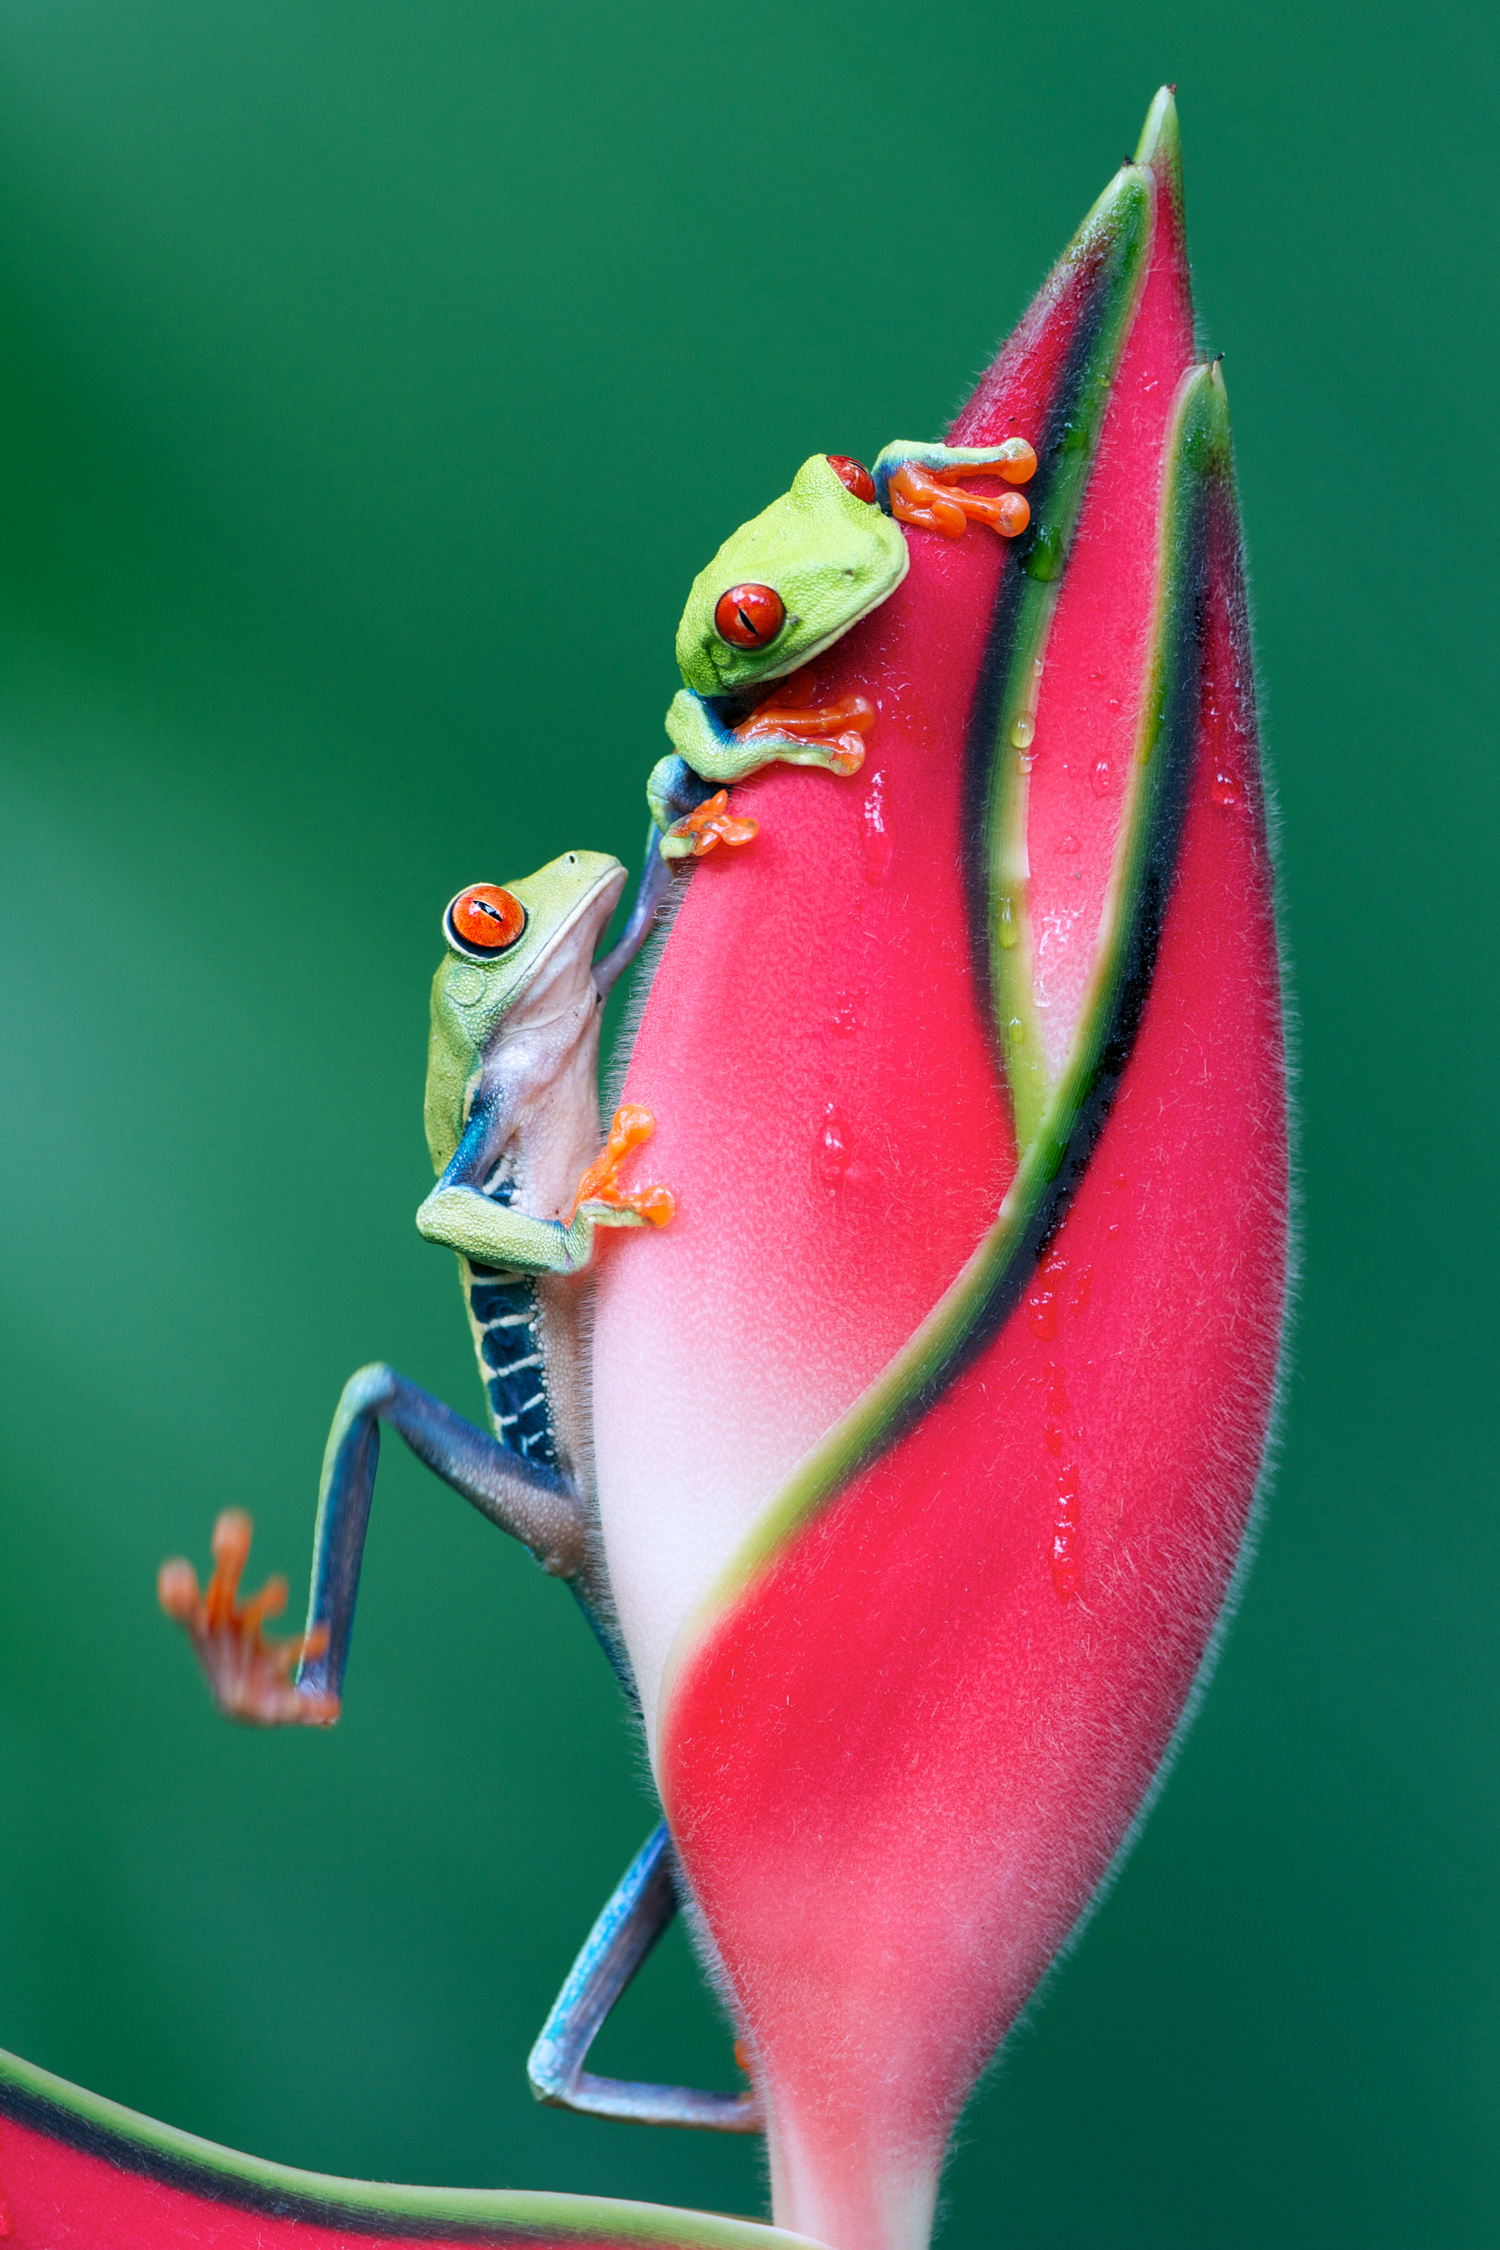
column 749, row 616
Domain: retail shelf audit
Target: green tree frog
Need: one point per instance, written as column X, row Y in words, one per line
column 780, row 592
column 513, row 1129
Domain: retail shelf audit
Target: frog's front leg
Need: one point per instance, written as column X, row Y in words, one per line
column 923, row 485
column 460, row 1213
column 250, row 1677
column 787, row 727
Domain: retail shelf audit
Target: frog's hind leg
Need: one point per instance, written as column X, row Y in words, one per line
column 534, row 1503
column 248, row 1676
column 642, row 1907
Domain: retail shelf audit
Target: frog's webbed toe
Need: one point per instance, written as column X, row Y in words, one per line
column 600, row 1196
column 923, row 485
column 706, row 827
column 249, row 1677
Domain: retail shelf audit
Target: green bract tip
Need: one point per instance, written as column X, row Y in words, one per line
column 1161, row 145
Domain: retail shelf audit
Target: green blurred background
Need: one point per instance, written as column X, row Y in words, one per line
column 375, row 379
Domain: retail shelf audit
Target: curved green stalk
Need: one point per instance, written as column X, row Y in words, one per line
column 1116, row 238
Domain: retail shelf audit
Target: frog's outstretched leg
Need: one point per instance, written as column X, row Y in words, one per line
column 642, row 1907
column 531, row 1499
column 535, row 1505
column 249, row 1676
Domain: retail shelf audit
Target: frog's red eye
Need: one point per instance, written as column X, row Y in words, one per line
column 749, row 616
column 853, row 476
column 484, row 920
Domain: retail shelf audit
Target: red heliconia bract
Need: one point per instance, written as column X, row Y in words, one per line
column 78, row 2172
column 929, row 1432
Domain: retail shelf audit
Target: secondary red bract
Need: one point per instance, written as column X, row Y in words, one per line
column 902, row 1736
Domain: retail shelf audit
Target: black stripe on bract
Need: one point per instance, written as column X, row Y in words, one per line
column 124, row 2153
column 1176, row 746
column 981, row 745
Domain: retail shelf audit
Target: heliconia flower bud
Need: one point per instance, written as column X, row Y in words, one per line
column 928, row 1433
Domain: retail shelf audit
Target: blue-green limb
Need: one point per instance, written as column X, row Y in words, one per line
column 535, row 1505
column 643, row 1905
column 708, row 745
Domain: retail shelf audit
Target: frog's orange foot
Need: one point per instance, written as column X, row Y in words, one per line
column 836, row 730
column 600, row 1184
column 929, row 498
column 249, row 1677
column 708, row 825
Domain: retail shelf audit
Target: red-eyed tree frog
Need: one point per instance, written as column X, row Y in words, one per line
column 513, row 1129
column 780, row 592
column 512, row 1116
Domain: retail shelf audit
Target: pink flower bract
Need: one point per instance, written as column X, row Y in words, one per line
column 929, row 1432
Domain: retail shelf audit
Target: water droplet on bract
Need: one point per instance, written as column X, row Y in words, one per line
column 848, row 1013
column 1022, row 731
column 877, row 839
column 831, row 1153
column 1069, row 845
column 1015, row 1032
column 1226, row 789
column 1044, row 561
column 1005, row 925
column 1103, row 779
column 1065, row 1536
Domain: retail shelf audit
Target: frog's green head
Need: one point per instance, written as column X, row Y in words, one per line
column 504, row 943
column 791, row 581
